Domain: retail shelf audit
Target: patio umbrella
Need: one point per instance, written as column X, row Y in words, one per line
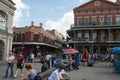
column 85, row 53
column 116, row 50
column 70, row 51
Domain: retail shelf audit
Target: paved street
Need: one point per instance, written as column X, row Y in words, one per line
column 37, row 66
column 101, row 71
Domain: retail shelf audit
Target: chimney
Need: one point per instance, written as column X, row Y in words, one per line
column 118, row 2
column 41, row 25
column 32, row 23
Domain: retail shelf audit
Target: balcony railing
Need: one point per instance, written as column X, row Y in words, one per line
column 51, row 43
column 91, row 40
column 98, row 24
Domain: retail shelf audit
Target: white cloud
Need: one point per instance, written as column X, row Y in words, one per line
column 113, row 0
column 62, row 24
column 82, row 1
column 21, row 8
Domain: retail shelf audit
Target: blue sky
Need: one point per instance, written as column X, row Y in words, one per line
column 54, row 14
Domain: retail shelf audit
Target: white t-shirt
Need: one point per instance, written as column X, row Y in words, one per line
column 61, row 72
column 54, row 75
column 47, row 57
column 32, row 56
column 10, row 59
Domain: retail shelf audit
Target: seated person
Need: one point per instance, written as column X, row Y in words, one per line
column 57, row 74
column 63, row 75
column 31, row 73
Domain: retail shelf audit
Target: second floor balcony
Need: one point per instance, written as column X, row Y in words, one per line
column 94, row 40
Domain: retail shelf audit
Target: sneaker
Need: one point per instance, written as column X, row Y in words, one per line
column 5, row 76
column 11, row 76
column 21, row 75
column 14, row 76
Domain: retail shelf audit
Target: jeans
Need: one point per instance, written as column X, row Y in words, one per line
column 9, row 65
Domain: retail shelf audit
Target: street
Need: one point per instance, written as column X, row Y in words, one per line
column 100, row 71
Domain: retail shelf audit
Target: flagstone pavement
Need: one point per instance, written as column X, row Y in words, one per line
column 100, row 71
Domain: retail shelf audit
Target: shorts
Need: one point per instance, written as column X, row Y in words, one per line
column 20, row 66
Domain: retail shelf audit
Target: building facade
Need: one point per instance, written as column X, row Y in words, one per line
column 59, row 39
column 96, row 26
column 34, row 39
column 6, row 23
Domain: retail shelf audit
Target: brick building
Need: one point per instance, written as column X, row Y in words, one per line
column 34, row 39
column 96, row 26
column 7, row 8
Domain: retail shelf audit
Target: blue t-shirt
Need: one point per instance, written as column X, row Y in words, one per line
column 33, row 73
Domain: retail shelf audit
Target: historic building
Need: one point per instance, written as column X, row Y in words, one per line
column 59, row 39
column 96, row 26
column 34, row 39
column 6, row 23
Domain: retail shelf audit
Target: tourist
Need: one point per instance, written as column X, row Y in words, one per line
column 31, row 73
column 10, row 64
column 53, row 60
column 47, row 59
column 57, row 75
column 20, row 64
column 32, row 57
column 44, row 66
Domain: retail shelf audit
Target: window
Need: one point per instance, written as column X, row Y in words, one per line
column 109, row 10
column 117, row 9
column 3, row 19
column 101, row 20
column 36, row 37
column 79, row 34
column 93, row 20
column 86, row 21
column 97, row 3
column 101, row 11
column 86, row 11
column 94, row 11
column 86, row 35
column 118, row 19
column 109, row 20
column 79, row 11
column 79, row 21
column 94, row 35
column 102, row 35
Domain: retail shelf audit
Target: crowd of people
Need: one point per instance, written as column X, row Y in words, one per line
column 47, row 61
column 71, row 63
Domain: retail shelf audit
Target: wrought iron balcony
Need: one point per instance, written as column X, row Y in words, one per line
column 96, row 24
column 92, row 40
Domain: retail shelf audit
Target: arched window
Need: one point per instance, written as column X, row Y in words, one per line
column 3, row 20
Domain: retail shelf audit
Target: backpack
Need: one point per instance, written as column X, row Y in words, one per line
column 37, row 77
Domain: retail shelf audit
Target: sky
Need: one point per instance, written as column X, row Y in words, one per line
column 54, row 14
